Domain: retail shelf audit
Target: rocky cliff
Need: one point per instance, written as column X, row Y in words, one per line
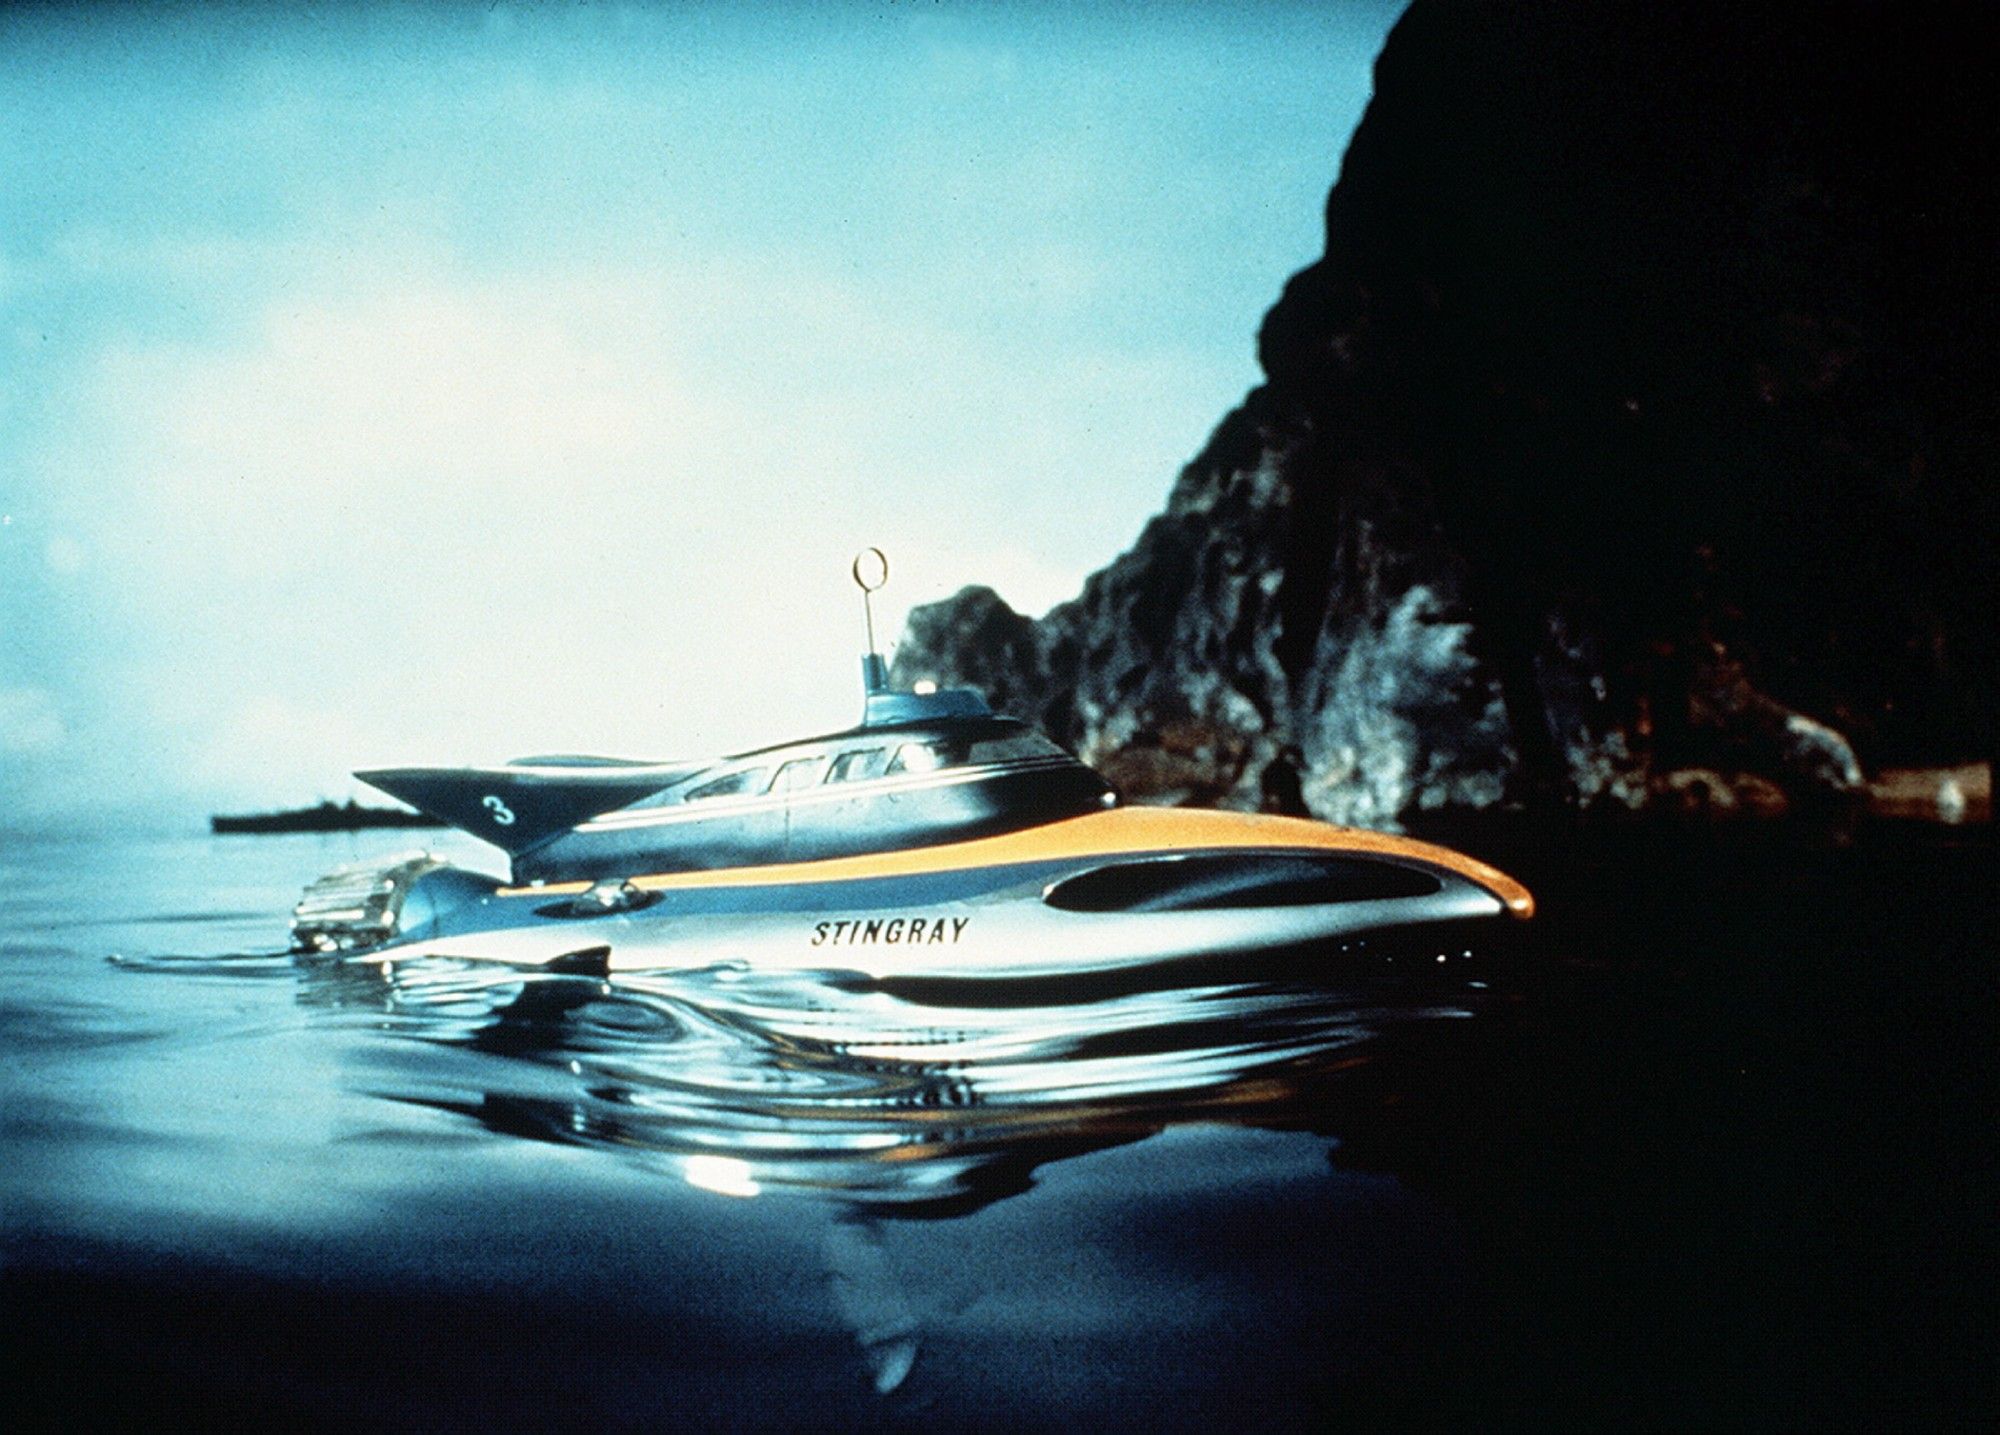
column 1631, row 443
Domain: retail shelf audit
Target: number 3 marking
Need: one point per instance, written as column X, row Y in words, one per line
column 502, row 815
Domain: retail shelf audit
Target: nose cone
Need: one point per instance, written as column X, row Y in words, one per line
column 1517, row 899
column 1514, row 898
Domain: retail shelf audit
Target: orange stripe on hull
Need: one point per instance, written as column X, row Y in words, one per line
column 1120, row 832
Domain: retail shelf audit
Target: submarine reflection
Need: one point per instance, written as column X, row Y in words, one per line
column 890, row 1102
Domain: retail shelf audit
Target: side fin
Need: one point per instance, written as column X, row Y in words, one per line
column 583, row 962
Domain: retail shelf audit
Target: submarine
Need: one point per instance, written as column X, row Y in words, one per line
column 933, row 840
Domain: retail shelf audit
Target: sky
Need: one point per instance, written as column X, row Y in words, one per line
column 403, row 384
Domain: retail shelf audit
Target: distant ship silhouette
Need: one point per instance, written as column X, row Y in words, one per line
column 327, row 817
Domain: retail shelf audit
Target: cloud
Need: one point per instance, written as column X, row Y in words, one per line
column 30, row 722
column 65, row 556
column 267, row 734
column 452, row 515
column 425, row 393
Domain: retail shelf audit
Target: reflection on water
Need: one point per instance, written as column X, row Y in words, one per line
column 877, row 1103
column 743, row 1083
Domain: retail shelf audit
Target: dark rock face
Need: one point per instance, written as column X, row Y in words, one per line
column 1639, row 421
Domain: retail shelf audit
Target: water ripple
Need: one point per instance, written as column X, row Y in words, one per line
column 233, row 965
column 744, row 1083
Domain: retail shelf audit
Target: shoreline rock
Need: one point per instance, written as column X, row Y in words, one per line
column 1635, row 427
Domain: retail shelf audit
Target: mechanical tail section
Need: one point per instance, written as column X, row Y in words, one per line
column 518, row 808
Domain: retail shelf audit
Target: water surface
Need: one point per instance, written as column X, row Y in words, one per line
column 1643, row 1169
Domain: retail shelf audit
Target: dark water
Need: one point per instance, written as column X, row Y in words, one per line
column 1711, row 1147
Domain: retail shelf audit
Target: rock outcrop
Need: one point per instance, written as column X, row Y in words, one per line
column 1638, row 422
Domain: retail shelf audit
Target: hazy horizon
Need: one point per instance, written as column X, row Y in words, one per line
column 390, row 384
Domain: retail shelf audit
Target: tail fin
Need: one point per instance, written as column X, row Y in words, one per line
column 517, row 809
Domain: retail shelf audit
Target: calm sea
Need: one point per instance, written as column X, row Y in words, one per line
column 1710, row 1145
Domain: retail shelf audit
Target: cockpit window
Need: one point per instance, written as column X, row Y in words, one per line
column 857, row 765
column 740, row 783
column 800, row 772
column 1013, row 748
column 921, row 757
